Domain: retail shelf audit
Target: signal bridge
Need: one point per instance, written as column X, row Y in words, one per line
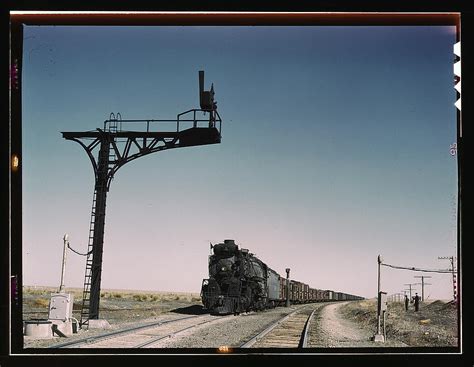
column 121, row 141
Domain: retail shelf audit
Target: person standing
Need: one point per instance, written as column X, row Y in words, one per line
column 406, row 302
column 417, row 301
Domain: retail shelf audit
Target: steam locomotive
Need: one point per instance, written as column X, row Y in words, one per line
column 240, row 282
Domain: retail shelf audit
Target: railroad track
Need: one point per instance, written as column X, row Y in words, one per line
column 144, row 336
column 291, row 331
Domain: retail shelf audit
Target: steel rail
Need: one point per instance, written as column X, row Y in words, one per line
column 259, row 336
column 155, row 340
column 304, row 340
column 118, row 332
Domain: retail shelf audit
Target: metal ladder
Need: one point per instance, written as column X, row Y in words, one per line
column 88, row 274
column 86, row 294
column 113, row 128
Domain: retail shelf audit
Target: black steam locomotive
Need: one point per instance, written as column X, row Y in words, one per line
column 240, row 282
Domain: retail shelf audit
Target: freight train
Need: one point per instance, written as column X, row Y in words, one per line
column 240, row 282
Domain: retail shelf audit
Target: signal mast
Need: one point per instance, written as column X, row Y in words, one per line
column 119, row 142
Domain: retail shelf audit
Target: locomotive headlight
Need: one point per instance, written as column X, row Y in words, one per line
column 223, row 268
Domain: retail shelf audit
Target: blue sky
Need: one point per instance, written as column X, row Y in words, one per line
column 335, row 148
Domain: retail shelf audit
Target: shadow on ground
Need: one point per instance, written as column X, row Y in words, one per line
column 191, row 310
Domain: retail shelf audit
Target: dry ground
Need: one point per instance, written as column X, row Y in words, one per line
column 434, row 325
column 116, row 306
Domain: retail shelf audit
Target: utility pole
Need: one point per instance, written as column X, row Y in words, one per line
column 379, row 261
column 423, row 285
column 451, row 259
column 63, row 269
column 287, row 287
column 381, row 304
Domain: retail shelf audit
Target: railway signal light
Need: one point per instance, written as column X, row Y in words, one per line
column 206, row 98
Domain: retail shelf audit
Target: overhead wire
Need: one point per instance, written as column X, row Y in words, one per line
column 418, row 269
column 87, row 254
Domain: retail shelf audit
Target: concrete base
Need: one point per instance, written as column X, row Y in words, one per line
column 99, row 324
column 64, row 327
column 38, row 329
column 379, row 338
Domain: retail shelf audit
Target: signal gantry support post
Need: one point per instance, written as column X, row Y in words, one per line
column 118, row 146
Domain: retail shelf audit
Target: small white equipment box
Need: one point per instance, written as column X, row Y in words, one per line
column 60, row 306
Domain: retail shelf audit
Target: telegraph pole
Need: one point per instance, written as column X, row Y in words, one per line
column 423, row 285
column 451, row 259
column 381, row 305
column 410, row 284
column 63, row 268
column 379, row 261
